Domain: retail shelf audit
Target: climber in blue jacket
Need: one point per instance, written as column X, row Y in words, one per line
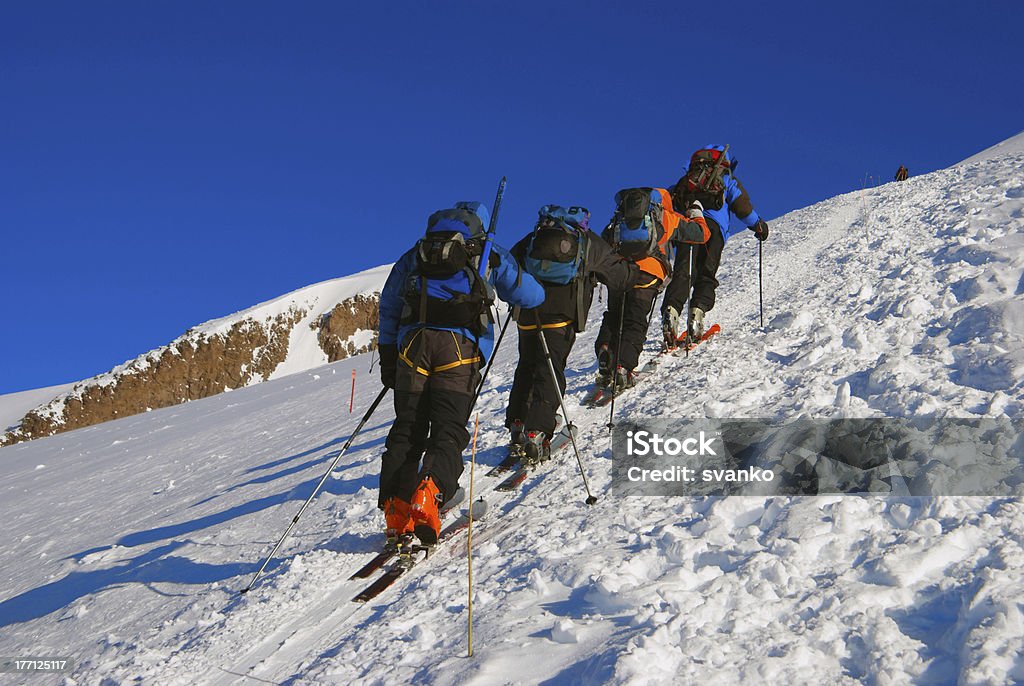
column 435, row 335
column 709, row 180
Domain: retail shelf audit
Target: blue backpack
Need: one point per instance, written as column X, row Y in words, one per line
column 558, row 246
column 637, row 226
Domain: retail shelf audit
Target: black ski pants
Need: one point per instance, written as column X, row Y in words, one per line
column 436, row 380
column 535, row 398
column 635, row 318
column 706, row 259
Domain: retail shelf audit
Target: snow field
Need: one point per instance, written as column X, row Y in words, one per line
column 128, row 549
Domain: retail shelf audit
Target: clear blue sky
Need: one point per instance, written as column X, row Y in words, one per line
column 164, row 163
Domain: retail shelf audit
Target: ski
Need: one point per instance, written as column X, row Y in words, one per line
column 414, row 554
column 652, row 364
column 601, row 395
column 559, row 442
column 515, row 454
column 597, row 396
column 392, row 548
column 607, row 394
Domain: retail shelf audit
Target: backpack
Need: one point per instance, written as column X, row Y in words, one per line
column 705, row 177
column 558, row 245
column 637, row 226
column 445, row 288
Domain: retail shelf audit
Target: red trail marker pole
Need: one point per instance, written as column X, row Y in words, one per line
column 352, row 397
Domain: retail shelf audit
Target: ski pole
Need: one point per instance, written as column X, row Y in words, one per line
column 295, row 519
column 760, row 278
column 615, row 369
column 689, row 297
column 591, row 499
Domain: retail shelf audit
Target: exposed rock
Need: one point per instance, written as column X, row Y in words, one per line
column 198, row 365
column 340, row 326
column 193, row 367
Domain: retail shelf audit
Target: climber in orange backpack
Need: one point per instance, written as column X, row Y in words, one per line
column 645, row 228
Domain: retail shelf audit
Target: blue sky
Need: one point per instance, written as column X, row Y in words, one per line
column 164, row 163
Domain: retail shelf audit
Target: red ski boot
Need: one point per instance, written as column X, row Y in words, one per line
column 424, row 512
column 398, row 521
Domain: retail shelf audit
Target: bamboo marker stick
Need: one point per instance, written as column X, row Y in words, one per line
column 469, row 541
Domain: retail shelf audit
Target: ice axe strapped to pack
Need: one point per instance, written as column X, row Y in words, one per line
column 705, row 177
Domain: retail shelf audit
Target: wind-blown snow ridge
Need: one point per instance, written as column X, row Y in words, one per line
column 318, row 298
column 127, row 542
column 1010, row 146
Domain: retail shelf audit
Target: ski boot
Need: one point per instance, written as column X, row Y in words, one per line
column 518, row 437
column 537, row 448
column 624, row 378
column 604, row 366
column 696, row 328
column 424, row 511
column 397, row 519
column 670, row 328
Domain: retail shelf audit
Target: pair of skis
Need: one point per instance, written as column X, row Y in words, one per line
column 394, row 548
column 602, row 394
column 560, row 441
column 409, row 553
column 683, row 348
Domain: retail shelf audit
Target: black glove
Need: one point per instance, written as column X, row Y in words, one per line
column 388, row 364
column 760, row 230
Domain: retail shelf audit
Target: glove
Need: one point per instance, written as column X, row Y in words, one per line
column 695, row 210
column 760, row 230
column 388, row 364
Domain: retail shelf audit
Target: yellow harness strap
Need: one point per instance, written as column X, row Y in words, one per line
column 649, row 283
column 404, row 357
column 533, row 327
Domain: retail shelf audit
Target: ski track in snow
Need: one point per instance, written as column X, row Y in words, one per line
column 128, row 549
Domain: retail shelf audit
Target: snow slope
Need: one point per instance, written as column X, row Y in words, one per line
column 127, row 542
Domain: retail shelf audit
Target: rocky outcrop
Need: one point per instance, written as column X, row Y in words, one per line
column 215, row 357
column 350, row 328
column 194, row 366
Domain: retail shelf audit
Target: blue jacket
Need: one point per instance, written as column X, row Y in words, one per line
column 733, row 192
column 513, row 285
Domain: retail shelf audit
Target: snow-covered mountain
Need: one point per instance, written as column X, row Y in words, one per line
column 127, row 542
column 310, row 327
